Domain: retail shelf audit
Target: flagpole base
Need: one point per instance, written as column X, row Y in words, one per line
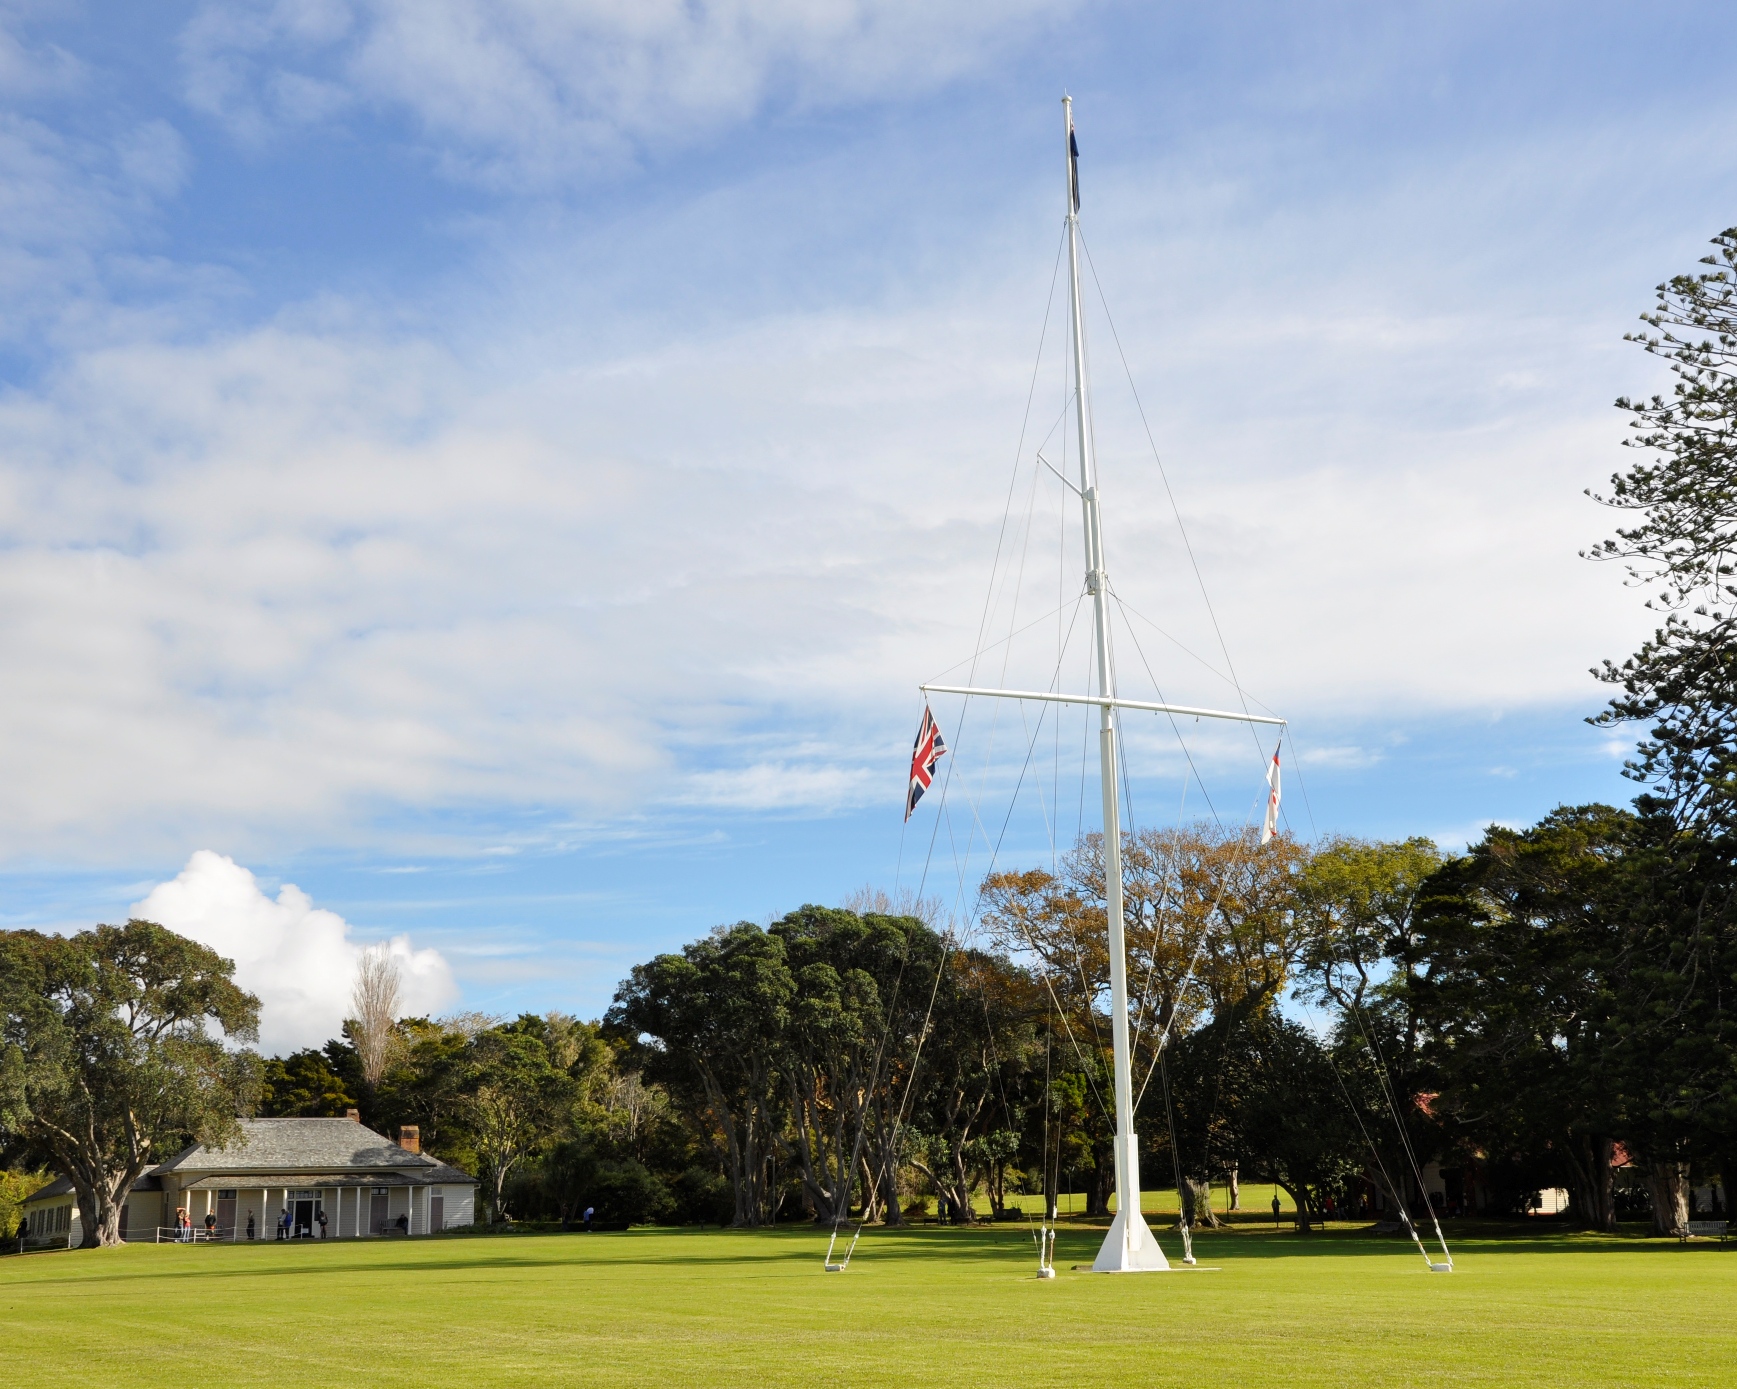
column 1130, row 1247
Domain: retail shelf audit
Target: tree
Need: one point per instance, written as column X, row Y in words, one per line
column 1357, row 904
column 1276, row 1097
column 374, row 1001
column 427, row 1084
column 568, row 1171
column 981, row 1034
column 108, row 1064
column 303, row 1083
column 1211, row 933
column 514, row 1100
column 1519, row 948
column 1683, row 682
column 1673, row 987
column 718, row 1012
column 15, row 1190
column 856, row 978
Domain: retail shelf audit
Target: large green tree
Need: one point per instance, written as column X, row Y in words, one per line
column 1683, row 495
column 1520, row 950
column 109, row 1062
column 851, row 973
column 717, row 1013
column 515, row 1099
column 1356, row 903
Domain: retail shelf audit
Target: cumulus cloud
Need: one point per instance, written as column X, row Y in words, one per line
column 300, row 959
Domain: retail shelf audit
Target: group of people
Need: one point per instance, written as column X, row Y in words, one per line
column 288, row 1229
column 184, row 1226
column 286, row 1225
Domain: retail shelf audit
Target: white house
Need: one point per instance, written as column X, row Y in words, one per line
column 360, row 1181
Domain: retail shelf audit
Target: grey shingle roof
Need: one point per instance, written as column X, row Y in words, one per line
column 304, row 1145
column 438, row 1175
column 62, row 1186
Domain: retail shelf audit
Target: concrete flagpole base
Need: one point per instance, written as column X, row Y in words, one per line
column 1130, row 1247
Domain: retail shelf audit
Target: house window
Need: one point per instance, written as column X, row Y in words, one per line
column 301, row 1195
column 380, row 1190
column 226, row 1195
column 434, row 1191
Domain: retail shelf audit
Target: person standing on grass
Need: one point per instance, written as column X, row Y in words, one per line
column 589, row 1212
column 250, row 1224
column 1275, row 1210
column 210, row 1225
column 283, row 1224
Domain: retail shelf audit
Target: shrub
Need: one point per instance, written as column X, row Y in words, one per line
column 701, row 1197
column 624, row 1193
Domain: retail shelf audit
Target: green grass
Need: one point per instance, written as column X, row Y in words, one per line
column 927, row 1307
column 1256, row 1201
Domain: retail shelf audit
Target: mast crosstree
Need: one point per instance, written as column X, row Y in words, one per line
column 1129, row 1247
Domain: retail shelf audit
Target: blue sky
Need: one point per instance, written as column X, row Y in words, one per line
column 503, row 468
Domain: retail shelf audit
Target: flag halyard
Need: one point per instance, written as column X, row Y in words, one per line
column 928, row 750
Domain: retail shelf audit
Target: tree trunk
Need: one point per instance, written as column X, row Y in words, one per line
column 1669, row 1184
column 1103, row 1180
column 895, row 1214
column 1230, row 1179
column 101, row 1200
column 1200, row 1210
column 1594, row 1182
column 1300, row 1199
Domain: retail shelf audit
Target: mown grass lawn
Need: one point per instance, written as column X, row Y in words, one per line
column 928, row 1307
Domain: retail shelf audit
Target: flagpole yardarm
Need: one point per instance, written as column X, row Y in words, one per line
column 1109, row 702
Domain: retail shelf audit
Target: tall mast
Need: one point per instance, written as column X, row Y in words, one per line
column 1129, row 1245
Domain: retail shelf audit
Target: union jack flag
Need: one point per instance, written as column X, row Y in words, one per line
column 929, row 750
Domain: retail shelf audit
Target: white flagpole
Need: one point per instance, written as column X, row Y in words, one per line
column 1129, row 1246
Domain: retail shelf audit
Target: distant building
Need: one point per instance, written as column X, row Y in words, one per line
column 361, row 1181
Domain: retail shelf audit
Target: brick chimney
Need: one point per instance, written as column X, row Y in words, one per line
column 353, row 1115
column 410, row 1138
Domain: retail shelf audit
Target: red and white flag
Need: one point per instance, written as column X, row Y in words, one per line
column 1270, row 826
column 928, row 751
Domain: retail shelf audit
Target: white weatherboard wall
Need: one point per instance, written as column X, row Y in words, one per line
column 57, row 1222
column 460, row 1205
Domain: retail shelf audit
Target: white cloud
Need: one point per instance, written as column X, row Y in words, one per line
column 275, row 584
column 780, row 785
column 289, row 584
column 534, row 88
column 300, row 959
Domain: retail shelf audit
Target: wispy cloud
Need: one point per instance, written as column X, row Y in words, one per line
column 530, row 90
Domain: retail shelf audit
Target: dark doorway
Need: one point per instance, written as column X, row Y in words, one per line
column 377, row 1212
column 226, row 1215
column 436, row 1213
column 304, row 1219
